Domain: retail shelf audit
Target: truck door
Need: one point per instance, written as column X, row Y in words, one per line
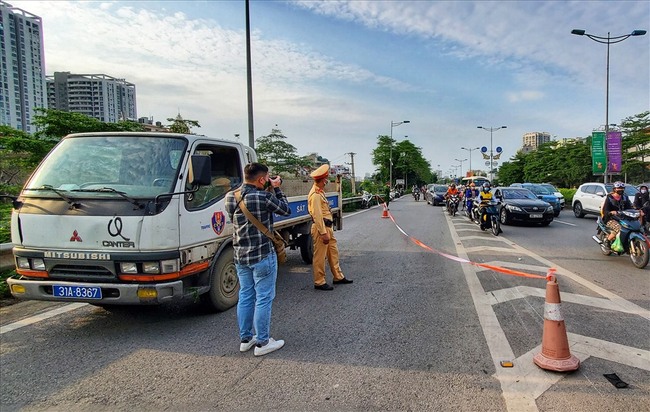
column 203, row 218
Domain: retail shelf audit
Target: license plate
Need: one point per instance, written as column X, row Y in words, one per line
column 77, row 292
column 536, row 216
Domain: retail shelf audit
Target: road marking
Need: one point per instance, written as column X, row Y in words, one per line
column 41, row 316
column 526, row 382
column 564, row 223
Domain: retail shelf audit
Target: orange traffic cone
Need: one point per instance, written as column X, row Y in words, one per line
column 555, row 355
column 385, row 212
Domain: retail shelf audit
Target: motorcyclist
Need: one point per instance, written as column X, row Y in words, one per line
column 642, row 202
column 615, row 202
column 451, row 191
column 416, row 192
column 470, row 193
column 485, row 198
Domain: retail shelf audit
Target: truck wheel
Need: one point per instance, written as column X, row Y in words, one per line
column 307, row 248
column 224, row 284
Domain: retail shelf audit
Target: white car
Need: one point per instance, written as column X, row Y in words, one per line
column 589, row 197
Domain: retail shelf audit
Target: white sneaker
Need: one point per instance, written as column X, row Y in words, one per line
column 271, row 346
column 246, row 346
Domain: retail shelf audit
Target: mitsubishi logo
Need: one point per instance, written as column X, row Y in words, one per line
column 75, row 237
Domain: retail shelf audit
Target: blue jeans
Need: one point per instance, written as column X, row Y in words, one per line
column 256, row 294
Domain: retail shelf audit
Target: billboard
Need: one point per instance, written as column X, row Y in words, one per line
column 614, row 151
column 598, row 156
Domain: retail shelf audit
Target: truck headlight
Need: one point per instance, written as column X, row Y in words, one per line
column 169, row 266
column 38, row 264
column 22, row 263
column 151, row 267
column 128, row 267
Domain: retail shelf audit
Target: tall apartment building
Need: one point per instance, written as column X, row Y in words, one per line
column 22, row 74
column 107, row 99
column 533, row 140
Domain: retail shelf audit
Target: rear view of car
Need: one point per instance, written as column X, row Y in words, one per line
column 555, row 192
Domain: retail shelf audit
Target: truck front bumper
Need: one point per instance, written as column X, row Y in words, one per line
column 112, row 293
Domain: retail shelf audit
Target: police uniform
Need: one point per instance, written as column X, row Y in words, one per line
column 323, row 221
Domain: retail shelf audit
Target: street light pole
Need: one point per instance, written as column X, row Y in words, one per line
column 393, row 124
column 607, row 40
column 461, row 166
column 470, row 155
column 491, row 130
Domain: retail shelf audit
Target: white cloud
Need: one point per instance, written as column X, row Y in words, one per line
column 524, row 96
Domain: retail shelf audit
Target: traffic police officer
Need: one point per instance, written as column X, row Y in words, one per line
column 322, row 233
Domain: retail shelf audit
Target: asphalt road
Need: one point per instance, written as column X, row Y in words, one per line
column 416, row 331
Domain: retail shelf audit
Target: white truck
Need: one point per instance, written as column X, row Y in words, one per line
column 138, row 218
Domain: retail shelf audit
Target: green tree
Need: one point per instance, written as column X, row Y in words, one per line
column 279, row 155
column 636, row 147
column 513, row 171
column 20, row 152
column 180, row 125
column 55, row 124
column 381, row 158
column 407, row 161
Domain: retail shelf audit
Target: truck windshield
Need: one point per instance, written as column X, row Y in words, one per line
column 136, row 166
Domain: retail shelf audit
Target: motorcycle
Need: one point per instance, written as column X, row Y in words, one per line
column 487, row 217
column 366, row 200
column 452, row 204
column 634, row 242
column 416, row 195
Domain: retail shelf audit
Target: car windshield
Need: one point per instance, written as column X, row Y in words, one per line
column 630, row 190
column 93, row 166
column 539, row 190
column 518, row 194
column 441, row 189
column 550, row 187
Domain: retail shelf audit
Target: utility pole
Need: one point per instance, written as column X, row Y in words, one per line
column 354, row 189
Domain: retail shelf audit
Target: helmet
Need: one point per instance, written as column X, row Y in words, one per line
column 453, row 185
column 619, row 185
column 486, row 187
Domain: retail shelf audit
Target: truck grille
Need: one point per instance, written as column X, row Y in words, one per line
column 82, row 273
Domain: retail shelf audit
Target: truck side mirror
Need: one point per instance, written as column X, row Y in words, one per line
column 199, row 172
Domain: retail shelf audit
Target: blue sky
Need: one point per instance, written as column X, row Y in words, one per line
column 333, row 75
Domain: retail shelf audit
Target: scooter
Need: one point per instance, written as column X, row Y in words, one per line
column 452, row 204
column 634, row 242
column 487, row 217
column 366, row 200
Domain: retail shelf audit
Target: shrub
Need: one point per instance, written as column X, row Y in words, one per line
column 568, row 195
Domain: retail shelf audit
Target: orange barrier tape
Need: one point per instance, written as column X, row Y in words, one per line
column 499, row 269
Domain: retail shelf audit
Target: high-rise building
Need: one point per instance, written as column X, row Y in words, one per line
column 22, row 70
column 535, row 139
column 107, row 99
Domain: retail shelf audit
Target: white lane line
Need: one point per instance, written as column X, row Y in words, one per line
column 564, row 223
column 525, row 382
column 520, row 292
column 517, row 398
column 41, row 316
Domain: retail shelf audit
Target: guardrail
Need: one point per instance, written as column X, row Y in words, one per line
column 7, row 259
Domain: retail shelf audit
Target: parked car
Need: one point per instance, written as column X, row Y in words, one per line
column 589, row 197
column 520, row 204
column 556, row 192
column 435, row 194
column 544, row 194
